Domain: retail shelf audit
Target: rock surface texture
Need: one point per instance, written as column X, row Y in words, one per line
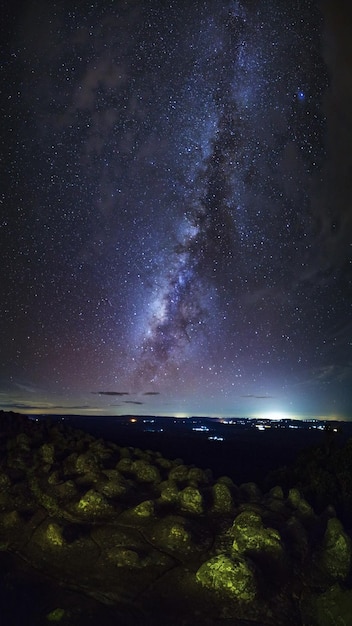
column 159, row 542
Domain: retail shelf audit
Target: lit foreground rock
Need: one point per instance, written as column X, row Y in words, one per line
column 162, row 542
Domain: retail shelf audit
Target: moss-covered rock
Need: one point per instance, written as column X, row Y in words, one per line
column 87, row 462
column 169, row 492
column 145, row 472
column 275, row 501
column 197, row 476
column 250, row 492
column 248, row 519
column 66, row 491
column 253, row 541
column 222, row 498
column 56, row 615
column 4, row 481
column 234, row 577
column 296, row 501
column 93, row 505
column 123, row 557
column 334, row 558
column 10, row 520
column 144, row 509
column 112, row 484
column 125, row 465
column 251, row 537
column 172, row 535
column 191, row 500
column 263, row 545
column 23, row 442
column 47, row 453
column 54, row 535
column 179, row 473
column 296, row 539
column 164, row 464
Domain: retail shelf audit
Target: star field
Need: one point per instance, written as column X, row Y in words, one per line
column 175, row 223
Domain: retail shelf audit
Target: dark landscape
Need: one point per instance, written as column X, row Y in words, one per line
column 95, row 530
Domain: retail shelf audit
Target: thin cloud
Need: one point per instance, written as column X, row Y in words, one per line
column 252, row 395
column 151, row 393
column 132, row 402
column 41, row 406
column 110, row 393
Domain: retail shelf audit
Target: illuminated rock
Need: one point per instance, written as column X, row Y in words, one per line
column 191, row 500
column 125, row 465
column 145, row 472
column 250, row 536
column 172, row 535
column 144, row 509
column 169, row 492
column 197, row 476
column 93, row 505
column 179, row 473
column 251, row 492
column 4, row 481
column 56, row 615
column 334, row 558
column 112, row 484
column 297, row 502
column 222, row 498
column 123, row 557
column 234, row 577
column 54, row 535
column 47, row 452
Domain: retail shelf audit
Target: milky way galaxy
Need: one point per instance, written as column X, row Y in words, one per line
column 176, row 227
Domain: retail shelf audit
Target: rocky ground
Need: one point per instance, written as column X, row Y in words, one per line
column 95, row 533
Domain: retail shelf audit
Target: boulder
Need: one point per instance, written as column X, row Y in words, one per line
column 93, row 505
column 222, row 499
column 234, row 577
column 191, row 500
column 145, row 472
column 179, row 473
column 334, row 558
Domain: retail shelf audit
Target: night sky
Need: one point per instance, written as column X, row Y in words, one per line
column 176, row 207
